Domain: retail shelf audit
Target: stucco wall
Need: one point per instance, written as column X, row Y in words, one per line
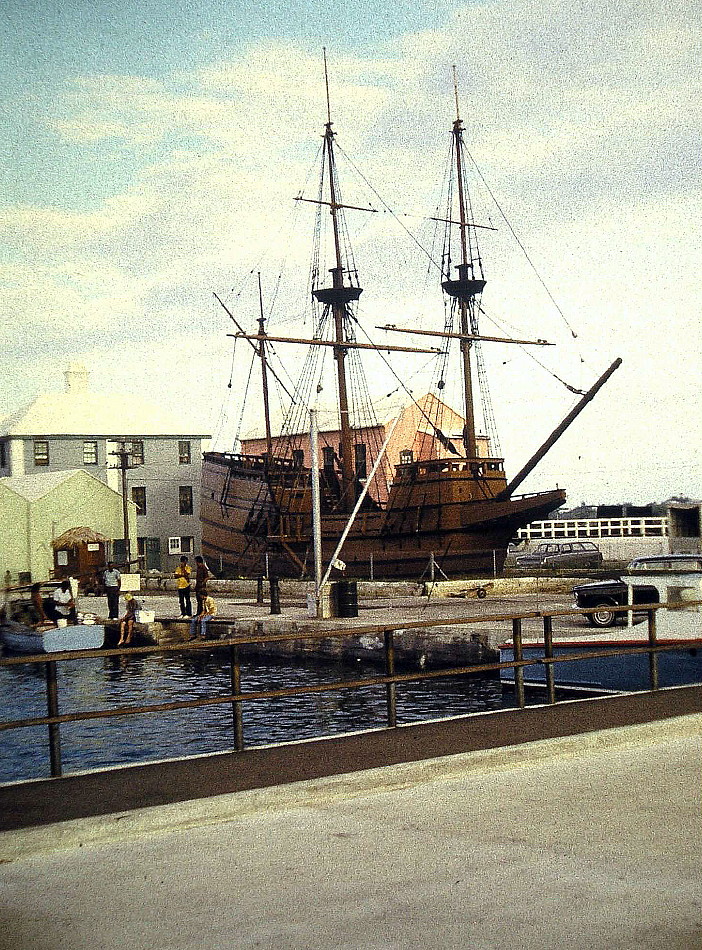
column 14, row 553
column 82, row 500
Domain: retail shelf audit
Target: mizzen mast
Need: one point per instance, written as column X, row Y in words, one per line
column 264, row 374
column 465, row 289
column 338, row 297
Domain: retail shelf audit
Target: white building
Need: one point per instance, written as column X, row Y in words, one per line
column 82, row 429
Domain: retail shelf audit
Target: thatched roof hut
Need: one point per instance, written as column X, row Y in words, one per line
column 77, row 536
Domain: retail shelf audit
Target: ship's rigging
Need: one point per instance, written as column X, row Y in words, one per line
column 451, row 498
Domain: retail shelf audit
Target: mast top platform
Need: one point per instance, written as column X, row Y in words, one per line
column 466, row 287
column 337, row 295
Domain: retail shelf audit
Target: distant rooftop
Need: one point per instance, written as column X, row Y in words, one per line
column 32, row 487
column 79, row 411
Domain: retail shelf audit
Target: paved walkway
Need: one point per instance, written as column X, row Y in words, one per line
column 588, row 842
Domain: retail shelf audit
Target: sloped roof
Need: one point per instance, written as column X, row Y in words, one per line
column 32, row 487
column 78, row 411
column 428, row 403
column 93, row 414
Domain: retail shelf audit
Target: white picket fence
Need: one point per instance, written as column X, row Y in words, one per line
column 595, row 528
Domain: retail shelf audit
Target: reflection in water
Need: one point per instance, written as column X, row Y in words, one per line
column 119, row 681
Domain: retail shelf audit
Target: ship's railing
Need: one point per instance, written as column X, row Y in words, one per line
column 256, row 462
column 595, row 528
column 237, row 698
column 479, row 466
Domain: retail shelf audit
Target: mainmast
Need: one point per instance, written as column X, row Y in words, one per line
column 338, row 296
column 466, row 288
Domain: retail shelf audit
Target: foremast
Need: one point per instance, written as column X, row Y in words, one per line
column 467, row 287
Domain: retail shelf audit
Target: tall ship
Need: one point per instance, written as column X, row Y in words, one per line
column 446, row 501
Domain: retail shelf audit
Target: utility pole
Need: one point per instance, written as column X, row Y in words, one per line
column 123, row 455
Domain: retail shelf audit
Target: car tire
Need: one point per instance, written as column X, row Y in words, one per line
column 602, row 616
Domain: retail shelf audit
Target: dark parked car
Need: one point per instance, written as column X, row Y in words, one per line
column 603, row 595
column 562, row 554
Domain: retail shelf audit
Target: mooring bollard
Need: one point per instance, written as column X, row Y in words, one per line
column 275, row 595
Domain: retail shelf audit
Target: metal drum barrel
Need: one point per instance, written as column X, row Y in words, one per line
column 347, row 598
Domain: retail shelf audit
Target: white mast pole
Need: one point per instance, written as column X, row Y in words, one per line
column 316, row 509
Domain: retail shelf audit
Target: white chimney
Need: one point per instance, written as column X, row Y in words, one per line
column 77, row 377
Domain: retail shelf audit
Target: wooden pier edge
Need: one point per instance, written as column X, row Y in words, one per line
column 121, row 789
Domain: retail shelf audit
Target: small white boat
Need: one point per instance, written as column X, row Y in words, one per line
column 20, row 638
column 21, row 633
column 681, row 590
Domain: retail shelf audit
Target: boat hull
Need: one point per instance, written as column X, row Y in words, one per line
column 245, row 532
column 17, row 638
column 612, row 674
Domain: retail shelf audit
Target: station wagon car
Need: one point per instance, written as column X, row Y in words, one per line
column 562, row 555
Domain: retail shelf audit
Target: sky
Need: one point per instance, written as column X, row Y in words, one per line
column 151, row 154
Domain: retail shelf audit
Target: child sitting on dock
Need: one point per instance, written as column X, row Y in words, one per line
column 126, row 624
column 209, row 610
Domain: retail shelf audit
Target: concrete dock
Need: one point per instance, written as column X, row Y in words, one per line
column 432, row 625
column 586, row 842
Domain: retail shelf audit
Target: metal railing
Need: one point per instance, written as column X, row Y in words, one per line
column 236, row 698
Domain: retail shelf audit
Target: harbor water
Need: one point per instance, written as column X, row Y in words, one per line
column 114, row 681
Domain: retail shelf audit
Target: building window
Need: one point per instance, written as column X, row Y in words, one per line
column 137, row 452
column 3, row 454
column 328, row 457
column 359, row 451
column 406, row 456
column 139, row 499
column 184, row 545
column 184, row 453
column 41, row 452
column 185, row 500
column 90, row 453
column 298, row 458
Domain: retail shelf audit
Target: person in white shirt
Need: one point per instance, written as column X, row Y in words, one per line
column 64, row 604
column 112, row 579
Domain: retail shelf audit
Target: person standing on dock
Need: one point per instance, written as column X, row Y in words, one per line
column 182, row 572
column 112, row 579
column 209, row 610
column 201, row 575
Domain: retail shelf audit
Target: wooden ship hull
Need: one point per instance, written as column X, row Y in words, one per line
column 258, row 517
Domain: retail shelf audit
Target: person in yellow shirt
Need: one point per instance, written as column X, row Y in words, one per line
column 182, row 572
column 209, row 610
